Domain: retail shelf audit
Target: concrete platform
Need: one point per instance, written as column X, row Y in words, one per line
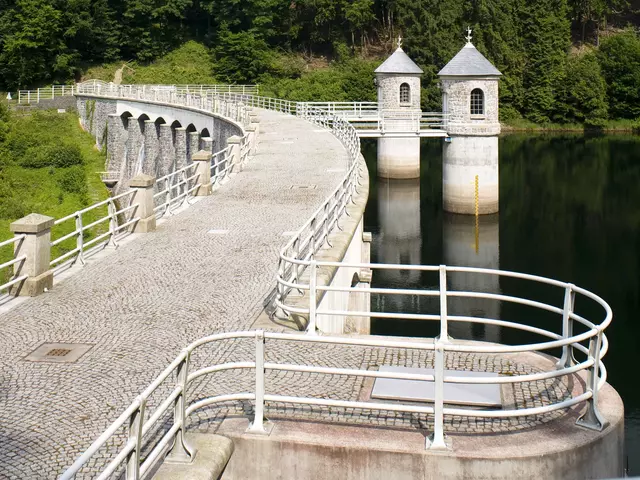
column 312, row 450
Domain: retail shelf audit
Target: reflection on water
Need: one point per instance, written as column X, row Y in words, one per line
column 472, row 242
column 569, row 209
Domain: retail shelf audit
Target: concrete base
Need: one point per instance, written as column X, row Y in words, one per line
column 33, row 286
column 558, row 449
column 212, row 455
column 399, row 157
column 144, row 225
column 464, row 159
column 203, row 190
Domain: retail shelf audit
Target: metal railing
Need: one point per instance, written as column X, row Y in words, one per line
column 174, row 190
column 143, row 425
column 13, row 277
column 221, row 165
column 401, row 121
column 105, row 230
column 49, row 93
column 344, row 109
column 268, row 103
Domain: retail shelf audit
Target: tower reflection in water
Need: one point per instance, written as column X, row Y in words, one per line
column 465, row 242
column 471, row 241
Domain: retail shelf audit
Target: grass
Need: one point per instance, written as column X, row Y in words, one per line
column 610, row 126
column 39, row 190
column 189, row 64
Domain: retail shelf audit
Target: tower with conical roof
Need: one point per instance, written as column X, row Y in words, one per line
column 470, row 156
column 398, row 82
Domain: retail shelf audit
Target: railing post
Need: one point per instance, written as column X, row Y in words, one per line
column 258, row 424
column 444, row 326
column 79, row 238
column 136, row 421
column 592, row 418
column 181, row 451
column 567, row 359
column 313, row 297
column 113, row 223
column 436, row 442
column 36, row 246
column 236, row 158
column 143, row 200
column 202, row 159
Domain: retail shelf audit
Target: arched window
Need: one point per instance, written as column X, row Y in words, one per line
column 477, row 102
column 405, row 93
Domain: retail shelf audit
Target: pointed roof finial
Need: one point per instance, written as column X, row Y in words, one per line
column 469, row 37
column 399, row 41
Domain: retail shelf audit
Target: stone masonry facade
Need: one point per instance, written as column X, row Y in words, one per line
column 457, row 102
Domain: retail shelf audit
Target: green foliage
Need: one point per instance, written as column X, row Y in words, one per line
column 241, row 57
column 619, row 57
column 73, row 180
column 50, row 155
column 583, row 99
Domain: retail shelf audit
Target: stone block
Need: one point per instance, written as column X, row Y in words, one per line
column 212, row 455
column 33, row 286
column 32, row 223
column 144, row 225
column 142, row 181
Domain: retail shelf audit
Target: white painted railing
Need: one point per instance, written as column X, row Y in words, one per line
column 174, row 190
column 221, row 165
column 143, row 427
column 105, row 230
column 350, row 110
column 49, row 93
column 8, row 268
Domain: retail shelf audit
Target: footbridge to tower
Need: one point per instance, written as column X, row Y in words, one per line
column 219, row 325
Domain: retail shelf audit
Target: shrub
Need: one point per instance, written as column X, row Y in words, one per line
column 73, row 180
column 61, row 156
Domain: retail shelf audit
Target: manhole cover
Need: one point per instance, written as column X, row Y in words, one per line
column 58, row 352
column 303, row 187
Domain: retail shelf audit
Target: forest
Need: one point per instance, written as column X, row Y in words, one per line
column 563, row 60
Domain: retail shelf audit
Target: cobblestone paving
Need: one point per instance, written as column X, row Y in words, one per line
column 140, row 306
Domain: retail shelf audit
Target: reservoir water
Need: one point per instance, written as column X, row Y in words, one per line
column 569, row 210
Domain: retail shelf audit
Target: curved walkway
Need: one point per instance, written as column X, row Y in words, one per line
column 206, row 270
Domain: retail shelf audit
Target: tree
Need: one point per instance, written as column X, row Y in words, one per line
column 241, row 57
column 547, row 37
column 584, row 96
column 619, row 58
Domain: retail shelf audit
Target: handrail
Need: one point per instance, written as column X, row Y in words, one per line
column 14, row 277
column 592, row 365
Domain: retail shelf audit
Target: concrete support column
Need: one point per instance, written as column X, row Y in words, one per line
column 206, row 144
column 253, row 138
column 193, row 145
column 254, row 121
column 143, row 200
column 399, row 157
column 234, row 143
column 464, row 159
column 181, row 147
column 135, row 142
column 36, row 246
column 151, row 149
column 166, row 155
column 116, row 140
column 361, row 302
column 202, row 159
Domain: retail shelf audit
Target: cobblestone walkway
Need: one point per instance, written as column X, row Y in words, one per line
column 140, row 306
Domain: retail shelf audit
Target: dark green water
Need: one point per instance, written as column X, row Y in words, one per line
column 569, row 210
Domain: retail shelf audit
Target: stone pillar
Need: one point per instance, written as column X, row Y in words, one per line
column 143, row 199
column 472, row 243
column 399, row 158
column 181, row 147
column 36, row 246
column 151, row 148
column 254, row 120
column 235, row 158
column 135, row 143
column 116, row 141
column 206, row 144
column 193, row 145
column 166, row 156
column 202, row 159
column 253, row 138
